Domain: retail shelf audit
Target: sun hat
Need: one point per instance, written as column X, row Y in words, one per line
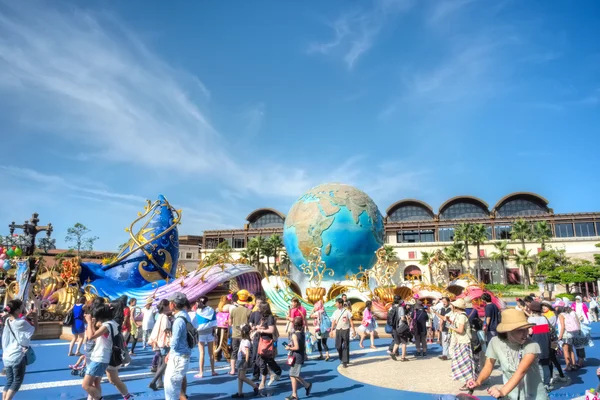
column 559, row 303
column 468, row 302
column 535, row 306
column 459, row 303
column 513, row 319
column 577, row 297
column 244, row 297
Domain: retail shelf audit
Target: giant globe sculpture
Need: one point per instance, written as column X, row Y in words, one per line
column 342, row 221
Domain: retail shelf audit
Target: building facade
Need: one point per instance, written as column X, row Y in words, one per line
column 412, row 227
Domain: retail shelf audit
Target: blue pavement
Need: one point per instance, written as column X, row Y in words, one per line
column 50, row 378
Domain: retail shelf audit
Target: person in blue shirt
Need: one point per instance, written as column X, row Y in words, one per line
column 178, row 359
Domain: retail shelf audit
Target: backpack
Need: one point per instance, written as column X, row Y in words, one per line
column 117, row 354
column 325, row 325
column 191, row 333
column 390, row 321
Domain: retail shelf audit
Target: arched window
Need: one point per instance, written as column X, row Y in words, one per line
column 412, row 272
column 409, row 210
column 267, row 221
column 265, row 218
column 464, row 207
column 522, row 204
column 520, row 208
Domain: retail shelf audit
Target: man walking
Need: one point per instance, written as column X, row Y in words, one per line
column 341, row 320
column 443, row 316
column 178, row 359
column 492, row 317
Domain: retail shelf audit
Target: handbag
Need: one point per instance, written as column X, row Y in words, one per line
column 69, row 318
column 291, row 359
column 30, row 356
column 266, row 349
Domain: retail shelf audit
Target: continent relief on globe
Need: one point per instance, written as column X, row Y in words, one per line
column 315, row 212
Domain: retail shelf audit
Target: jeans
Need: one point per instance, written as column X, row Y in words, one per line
column 342, row 344
column 445, row 343
column 160, row 371
column 14, row 376
column 546, row 367
column 147, row 334
column 256, row 357
column 177, row 368
column 489, row 335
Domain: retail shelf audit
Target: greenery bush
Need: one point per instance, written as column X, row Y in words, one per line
column 509, row 288
column 567, row 295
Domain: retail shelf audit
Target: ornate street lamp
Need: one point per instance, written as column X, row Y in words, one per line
column 30, row 230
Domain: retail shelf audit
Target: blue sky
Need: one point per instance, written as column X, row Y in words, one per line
column 225, row 107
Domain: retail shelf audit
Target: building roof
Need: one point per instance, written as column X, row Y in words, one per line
column 406, row 202
column 254, row 215
column 527, row 195
column 467, row 199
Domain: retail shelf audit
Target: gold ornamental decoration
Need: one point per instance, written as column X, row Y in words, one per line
column 316, row 268
column 314, row 294
column 359, row 281
column 383, row 271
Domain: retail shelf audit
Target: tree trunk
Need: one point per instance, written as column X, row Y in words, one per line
column 568, row 288
column 448, row 272
column 478, row 263
column 467, row 257
column 504, row 272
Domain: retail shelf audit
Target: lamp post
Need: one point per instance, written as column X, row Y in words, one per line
column 30, row 230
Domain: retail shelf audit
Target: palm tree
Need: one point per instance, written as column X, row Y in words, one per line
column 521, row 230
column 426, row 259
column 455, row 254
column 542, row 232
column 502, row 254
column 479, row 237
column 275, row 244
column 462, row 234
column 390, row 253
column 256, row 248
column 524, row 259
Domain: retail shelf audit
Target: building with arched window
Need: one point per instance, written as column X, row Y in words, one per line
column 413, row 227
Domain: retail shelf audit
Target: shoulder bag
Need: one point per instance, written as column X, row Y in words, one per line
column 266, row 347
column 29, row 354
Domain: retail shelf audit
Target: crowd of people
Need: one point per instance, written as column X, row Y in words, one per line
column 527, row 342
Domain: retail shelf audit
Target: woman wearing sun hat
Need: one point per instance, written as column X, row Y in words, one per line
column 463, row 363
column 517, row 356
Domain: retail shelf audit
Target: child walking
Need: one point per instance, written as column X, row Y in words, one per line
column 242, row 363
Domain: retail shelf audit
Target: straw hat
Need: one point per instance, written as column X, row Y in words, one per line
column 459, row 303
column 513, row 319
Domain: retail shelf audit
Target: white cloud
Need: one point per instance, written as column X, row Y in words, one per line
column 354, row 33
column 93, row 82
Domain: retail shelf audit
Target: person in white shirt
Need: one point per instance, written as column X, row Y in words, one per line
column 101, row 318
column 341, row 321
column 148, row 320
column 593, row 309
column 15, row 341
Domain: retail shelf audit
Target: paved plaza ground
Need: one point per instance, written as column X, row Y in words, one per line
column 370, row 375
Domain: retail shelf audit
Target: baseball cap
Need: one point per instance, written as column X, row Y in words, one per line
column 178, row 298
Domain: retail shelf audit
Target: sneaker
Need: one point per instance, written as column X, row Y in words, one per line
column 308, row 389
column 559, row 379
column 273, row 379
column 548, row 388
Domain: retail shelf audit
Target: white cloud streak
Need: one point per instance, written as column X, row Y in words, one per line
column 354, row 33
column 101, row 87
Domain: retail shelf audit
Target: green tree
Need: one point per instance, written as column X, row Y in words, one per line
column 274, row 245
column 455, row 254
column 552, row 263
column 390, row 253
column 523, row 258
column 81, row 242
column 542, row 233
column 256, row 248
column 223, row 251
column 521, row 231
column 502, row 254
column 462, row 234
column 478, row 237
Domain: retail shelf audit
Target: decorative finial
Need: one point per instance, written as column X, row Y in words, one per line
column 316, row 268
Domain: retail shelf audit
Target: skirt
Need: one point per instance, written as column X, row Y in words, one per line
column 463, row 364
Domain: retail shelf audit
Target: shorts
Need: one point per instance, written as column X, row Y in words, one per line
column 96, row 369
column 400, row 338
column 235, row 347
column 177, row 368
column 240, row 363
column 295, row 370
column 206, row 338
